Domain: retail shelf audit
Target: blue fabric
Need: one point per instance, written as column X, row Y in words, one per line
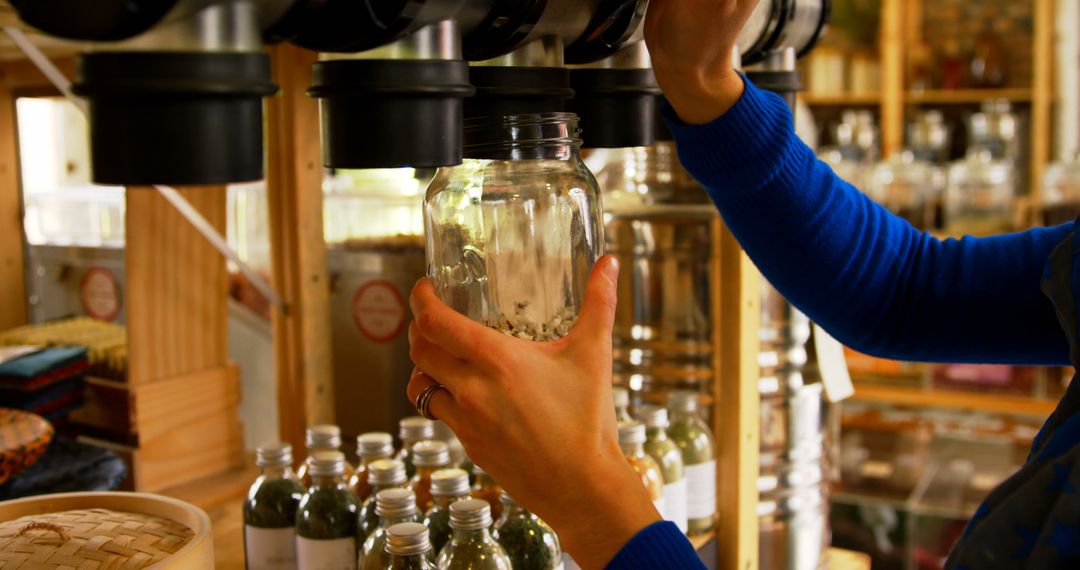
column 659, row 545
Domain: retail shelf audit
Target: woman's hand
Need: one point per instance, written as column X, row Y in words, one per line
column 538, row 416
column 691, row 43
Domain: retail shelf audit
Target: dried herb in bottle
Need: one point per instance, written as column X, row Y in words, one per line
column 428, row 457
column 472, row 546
column 485, row 488
column 326, row 517
column 270, row 511
column 369, row 447
column 695, row 443
column 667, row 455
column 393, row 506
column 323, row 437
column 413, row 430
column 382, row 474
column 408, row 547
column 447, row 486
column 528, row 541
column 632, row 442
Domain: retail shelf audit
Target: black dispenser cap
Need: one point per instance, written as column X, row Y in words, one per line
column 784, row 83
column 99, row 21
column 391, row 113
column 175, row 117
column 617, row 106
column 502, row 91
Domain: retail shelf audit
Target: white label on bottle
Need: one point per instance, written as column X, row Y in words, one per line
column 701, row 490
column 334, row 554
column 675, row 503
column 661, row 507
column 270, row 548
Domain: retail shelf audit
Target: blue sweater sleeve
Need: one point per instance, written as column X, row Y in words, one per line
column 867, row 276
column 659, row 545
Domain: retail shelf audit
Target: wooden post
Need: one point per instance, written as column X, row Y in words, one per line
column 298, row 251
column 12, row 262
column 892, row 75
column 736, row 422
column 1042, row 97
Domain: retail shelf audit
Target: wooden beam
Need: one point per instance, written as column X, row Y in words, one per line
column 1042, row 99
column 892, row 75
column 12, row 246
column 736, row 423
column 298, row 251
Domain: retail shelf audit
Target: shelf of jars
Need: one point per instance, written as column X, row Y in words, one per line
column 841, row 99
column 920, row 397
column 969, row 96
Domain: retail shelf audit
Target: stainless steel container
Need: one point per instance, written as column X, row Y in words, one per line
column 793, row 532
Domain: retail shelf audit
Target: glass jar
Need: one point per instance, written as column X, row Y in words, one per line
column 528, row 541
column 1061, row 192
column 412, row 430
column 979, row 198
column 621, row 396
column 370, row 447
column 514, row 231
column 472, row 547
column 324, row 437
column 326, row 516
column 382, row 474
column 447, row 486
column 394, row 506
column 484, row 487
column 667, row 455
column 408, row 547
column 429, row 457
column 642, row 176
column 695, row 441
column 632, row 443
column 907, row 187
column 270, row 510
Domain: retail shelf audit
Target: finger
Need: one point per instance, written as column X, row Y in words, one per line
column 431, row 358
column 454, row 332
column 597, row 314
column 441, row 405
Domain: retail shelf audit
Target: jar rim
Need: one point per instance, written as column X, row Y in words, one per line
column 512, row 136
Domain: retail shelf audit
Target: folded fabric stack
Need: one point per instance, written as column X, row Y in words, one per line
column 48, row 382
column 105, row 343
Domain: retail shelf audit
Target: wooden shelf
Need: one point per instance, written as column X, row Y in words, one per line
column 699, row 541
column 841, row 99
column 968, row 96
column 954, row 399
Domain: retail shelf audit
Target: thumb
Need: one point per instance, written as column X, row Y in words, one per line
column 597, row 314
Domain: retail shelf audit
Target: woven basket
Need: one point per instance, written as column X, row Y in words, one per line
column 103, row 531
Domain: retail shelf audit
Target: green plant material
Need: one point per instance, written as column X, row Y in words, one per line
column 272, row 503
column 529, row 543
column 326, row 513
column 438, row 523
column 417, row 562
column 474, row 550
column 666, row 454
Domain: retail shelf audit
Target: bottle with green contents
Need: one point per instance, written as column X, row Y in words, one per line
column 323, row 437
column 428, row 457
column 690, row 433
column 382, row 474
column 408, row 547
column 484, row 487
column 393, row 506
column 667, row 455
column 326, row 517
column 270, row 510
column 447, row 486
column 528, row 541
column 370, row 447
column 472, row 546
column 632, row 443
column 413, row 430
column 621, row 396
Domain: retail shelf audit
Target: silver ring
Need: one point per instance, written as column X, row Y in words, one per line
column 424, row 399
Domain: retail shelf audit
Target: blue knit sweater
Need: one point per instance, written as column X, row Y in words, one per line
column 867, row 276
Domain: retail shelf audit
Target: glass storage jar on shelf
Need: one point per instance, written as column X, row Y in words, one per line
column 907, row 187
column 1061, row 192
column 513, row 232
column 979, row 197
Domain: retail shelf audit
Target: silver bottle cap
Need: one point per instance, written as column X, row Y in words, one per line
column 386, row 473
column 621, row 396
column 374, row 444
column 683, row 401
column 395, row 503
column 327, row 463
column 470, row 514
column 324, row 436
column 431, row 453
column 274, row 454
column 631, row 433
column 407, row 539
column 450, row 483
column 416, row 428
column 653, row 416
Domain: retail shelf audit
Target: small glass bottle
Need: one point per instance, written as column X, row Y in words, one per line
column 429, row 457
column 326, row 517
column 382, row 474
column 695, row 442
column 323, row 437
column 513, row 232
column 667, row 455
column 413, row 430
column 370, row 447
column 632, row 443
column 484, row 487
column 270, row 510
column 472, row 547
column 393, row 506
column 408, row 547
column 447, row 486
column 528, row 541
column 621, row 396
